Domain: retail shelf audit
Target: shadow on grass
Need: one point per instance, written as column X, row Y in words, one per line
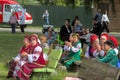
column 3, row 77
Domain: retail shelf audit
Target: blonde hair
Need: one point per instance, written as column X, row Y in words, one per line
column 43, row 39
column 76, row 34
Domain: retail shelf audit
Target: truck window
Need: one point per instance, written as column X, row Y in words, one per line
column 7, row 8
column 0, row 7
column 17, row 7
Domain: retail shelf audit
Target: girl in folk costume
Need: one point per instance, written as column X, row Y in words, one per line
column 35, row 60
column 94, row 48
column 115, row 44
column 74, row 51
column 111, row 57
column 22, row 56
column 103, row 38
column 66, row 47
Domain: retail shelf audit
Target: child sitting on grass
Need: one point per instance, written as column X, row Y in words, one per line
column 44, row 43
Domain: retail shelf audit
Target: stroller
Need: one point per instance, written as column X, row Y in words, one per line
column 45, row 27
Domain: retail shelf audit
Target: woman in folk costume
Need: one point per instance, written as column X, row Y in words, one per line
column 21, row 56
column 94, row 47
column 74, row 51
column 111, row 57
column 115, row 44
column 35, row 60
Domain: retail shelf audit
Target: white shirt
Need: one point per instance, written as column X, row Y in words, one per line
column 105, row 18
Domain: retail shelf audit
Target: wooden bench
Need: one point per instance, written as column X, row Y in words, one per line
column 53, row 60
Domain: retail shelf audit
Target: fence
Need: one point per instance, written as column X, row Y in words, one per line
column 58, row 14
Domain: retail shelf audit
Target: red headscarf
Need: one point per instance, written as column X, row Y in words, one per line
column 37, row 44
column 27, row 37
column 24, row 48
column 93, row 38
column 114, row 40
column 104, row 35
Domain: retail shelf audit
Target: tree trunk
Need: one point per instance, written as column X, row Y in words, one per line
column 94, row 70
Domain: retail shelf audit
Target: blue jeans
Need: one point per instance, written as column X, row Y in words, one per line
column 46, row 21
column 13, row 28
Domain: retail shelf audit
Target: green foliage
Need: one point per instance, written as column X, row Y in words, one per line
column 27, row 2
column 88, row 4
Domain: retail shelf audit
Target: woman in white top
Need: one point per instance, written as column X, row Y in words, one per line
column 105, row 21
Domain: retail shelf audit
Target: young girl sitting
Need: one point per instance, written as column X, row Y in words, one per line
column 111, row 57
column 44, row 43
column 74, row 51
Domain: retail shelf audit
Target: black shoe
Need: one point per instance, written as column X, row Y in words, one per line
column 9, row 77
column 17, row 78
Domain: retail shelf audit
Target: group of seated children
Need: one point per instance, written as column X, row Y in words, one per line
column 30, row 56
column 103, row 49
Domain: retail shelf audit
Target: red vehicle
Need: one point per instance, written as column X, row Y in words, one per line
column 6, row 9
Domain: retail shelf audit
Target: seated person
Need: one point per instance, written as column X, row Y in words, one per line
column 65, row 31
column 74, row 51
column 111, row 57
column 44, row 43
column 51, row 36
column 103, row 38
column 35, row 60
column 115, row 44
column 22, row 56
column 85, row 39
column 94, row 47
column 91, row 49
column 77, row 28
column 66, row 47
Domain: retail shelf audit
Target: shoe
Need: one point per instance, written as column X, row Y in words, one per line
column 17, row 78
column 9, row 77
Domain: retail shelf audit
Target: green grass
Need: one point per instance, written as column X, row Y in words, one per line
column 10, row 45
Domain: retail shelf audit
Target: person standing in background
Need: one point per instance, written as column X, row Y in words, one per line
column 22, row 21
column 45, row 17
column 13, row 22
column 105, row 21
column 98, row 18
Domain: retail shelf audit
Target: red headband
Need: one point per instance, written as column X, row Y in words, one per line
column 114, row 40
column 33, row 36
column 27, row 37
column 93, row 38
column 105, row 35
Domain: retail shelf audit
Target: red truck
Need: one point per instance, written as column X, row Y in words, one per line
column 6, row 9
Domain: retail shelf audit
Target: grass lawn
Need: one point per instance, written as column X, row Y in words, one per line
column 10, row 45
